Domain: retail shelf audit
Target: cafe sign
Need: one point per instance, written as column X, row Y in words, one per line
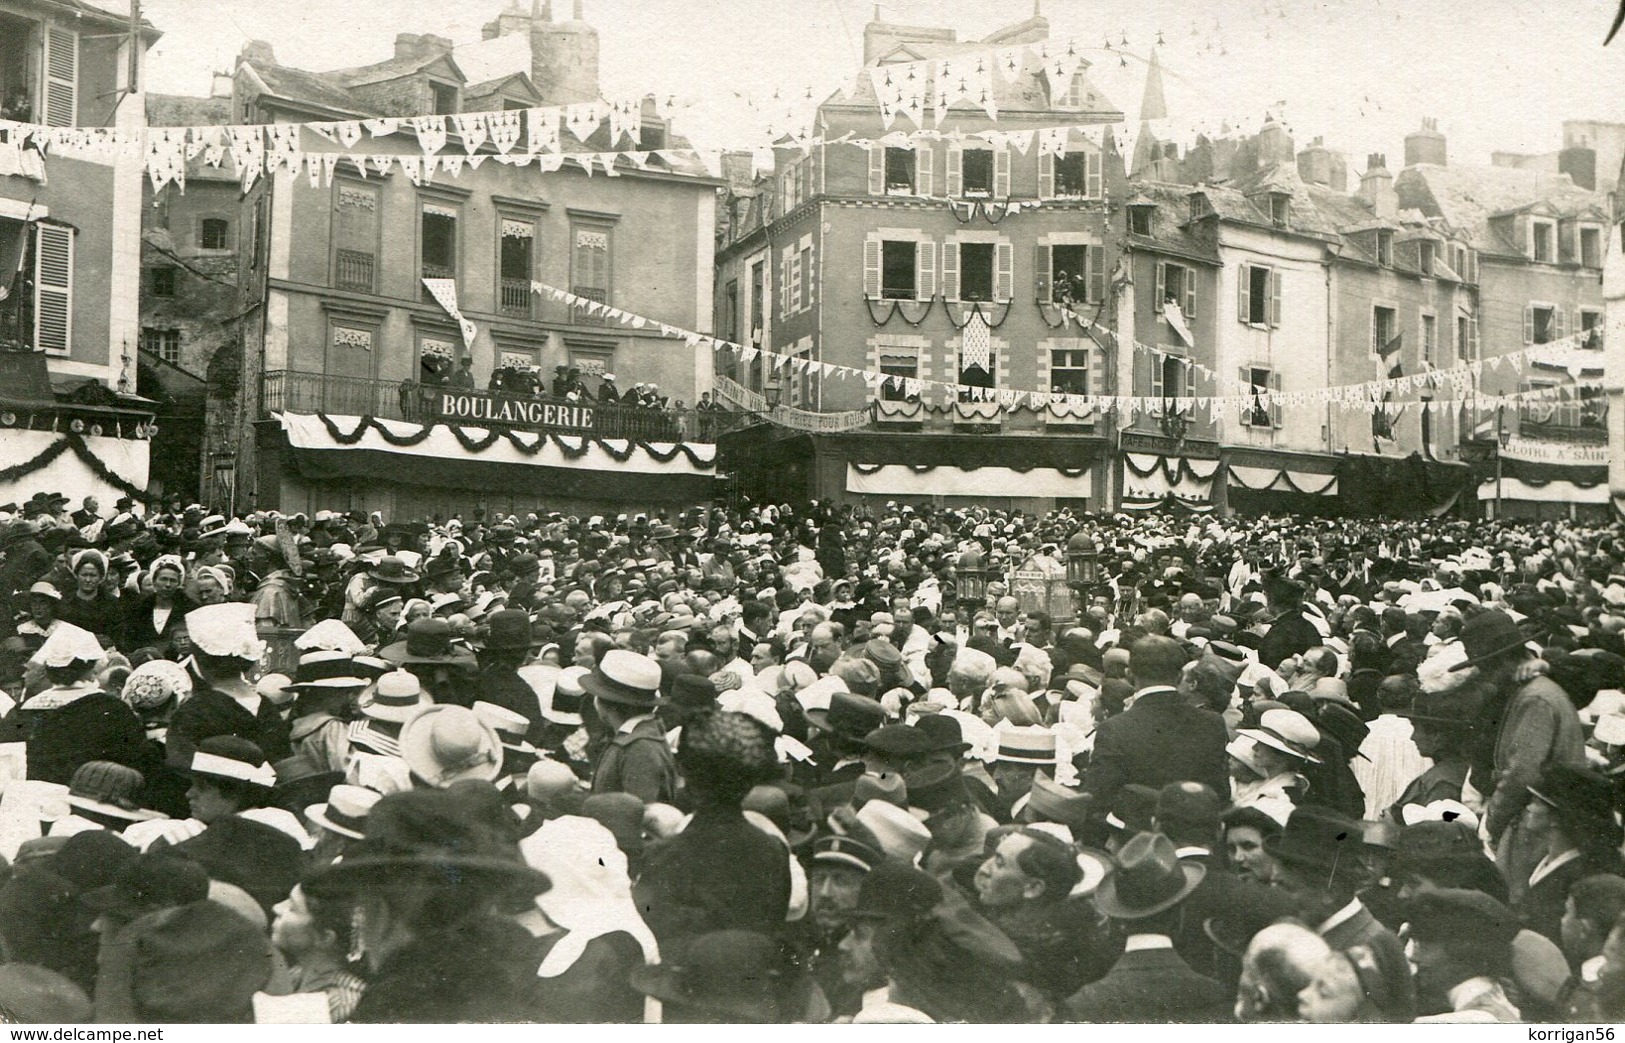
column 473, row 407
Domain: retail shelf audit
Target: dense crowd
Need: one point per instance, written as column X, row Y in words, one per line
column 808, row 763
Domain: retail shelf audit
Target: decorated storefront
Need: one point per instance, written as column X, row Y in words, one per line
column 313, row 461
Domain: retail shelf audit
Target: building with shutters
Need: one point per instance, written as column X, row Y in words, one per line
column 1538, row 243
column 956, row 268
column 340, row 325
column 70, row 249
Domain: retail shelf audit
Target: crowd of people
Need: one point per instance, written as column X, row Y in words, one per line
column 807, row 763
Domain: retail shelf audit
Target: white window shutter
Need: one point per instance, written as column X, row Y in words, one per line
column 871, row 268
column 1092, row 175
column 1190, row 295
column 1046, row 176
column 1001, row 173
column 956, row 172
column 1041, row 273
column 53, row 288
column 1275, row 298
column 950, row 271
column 1528, row 323
column 877, row 171
column 1004, row 264
column 61, row 77
column 1097, row 274
column 925, row 270
column 923, row 172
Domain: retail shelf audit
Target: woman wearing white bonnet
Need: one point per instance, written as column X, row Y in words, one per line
column 589, row 930
column 224, row 702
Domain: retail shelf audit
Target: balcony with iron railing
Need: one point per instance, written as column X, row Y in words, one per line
column 295, row 392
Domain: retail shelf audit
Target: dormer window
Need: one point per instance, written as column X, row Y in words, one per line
column 1385, row 248
column 443, row 98
column 1139, row 219
column 1280, row 208
column 1543, row 241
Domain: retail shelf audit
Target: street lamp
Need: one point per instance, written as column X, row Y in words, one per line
column 971, row 576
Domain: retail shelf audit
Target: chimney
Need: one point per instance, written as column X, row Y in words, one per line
column 1377, row 186
column 1425, row 145
column 220, row 85
column 1579, row 162
column 257, row 51
column 1315, row 163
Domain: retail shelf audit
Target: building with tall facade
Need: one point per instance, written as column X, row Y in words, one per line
column 338, row 322
column 70, row 248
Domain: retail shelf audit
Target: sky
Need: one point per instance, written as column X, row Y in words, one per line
column 1495, row 74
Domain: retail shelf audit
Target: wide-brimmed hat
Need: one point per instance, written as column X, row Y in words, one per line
column 1488, row 636
column 849, row 715
column 1286, row 730
column 233, row 758
column 447, row 834
column 345, row 810
column 446, row 744
column 390, row 569
column 108, row 788
column 397, row 697
column 736, row 974
column 1147, row 879
column 1318, row 838
column 510, row 725
column 626, row 679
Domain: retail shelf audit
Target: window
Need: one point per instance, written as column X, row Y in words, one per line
column 977, row 376
column 438, row 243
column 898, row 368
column 1543, row 242
column 1591, row 246
column 355, row 236
column 1077, row 175
column 1425, row 255
column 1259, row 296
column 1591, row 325
column 590, row 268
column 976, row 271
column 976, row 167
column 1069, row 371
column 214, row 233
column 163, row 282
column 900, row 168
column 1176, row 283
column 1430, row 338
column 443, row 96
column 515, row 263
column 1139, row 219
column 897, row 282
column 1261, row 386
column 166, row 344
column 1385, row 248
column 1542, row 323
column 1076, row 274
column 1384, row 328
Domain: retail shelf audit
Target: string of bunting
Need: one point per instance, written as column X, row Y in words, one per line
column 1351, row 397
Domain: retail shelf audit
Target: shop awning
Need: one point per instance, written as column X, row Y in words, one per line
column 907, row 480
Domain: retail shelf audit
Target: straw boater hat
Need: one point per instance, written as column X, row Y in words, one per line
column 345, row 810
column 395, row 697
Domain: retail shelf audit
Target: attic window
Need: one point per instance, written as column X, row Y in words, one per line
column 1385, row 248
column 444, row 97
column 1139, row 219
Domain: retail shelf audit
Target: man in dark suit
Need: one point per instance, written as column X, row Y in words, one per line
column 1149, row 983
column 1318, row 864
column 1161, row 737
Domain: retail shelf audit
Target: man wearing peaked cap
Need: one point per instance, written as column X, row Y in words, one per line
column 1150, row 982
column 625, row 688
